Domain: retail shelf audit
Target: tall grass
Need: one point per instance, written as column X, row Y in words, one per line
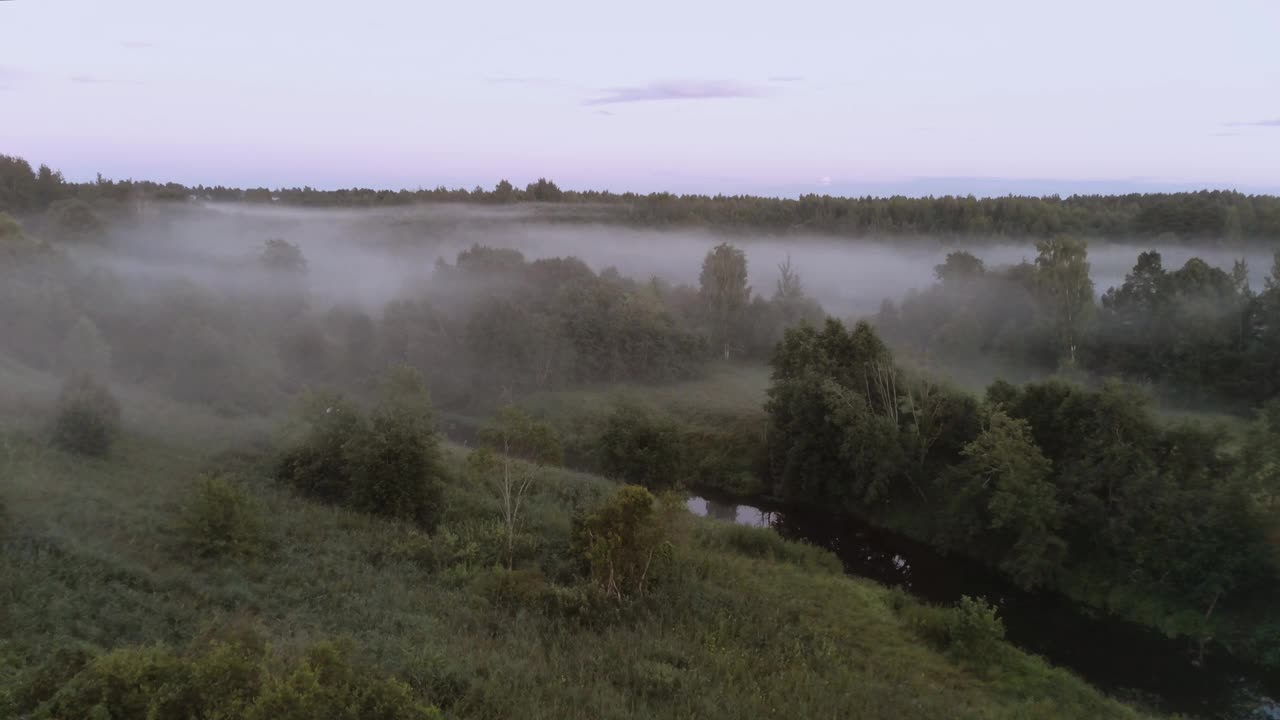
column 744, row 625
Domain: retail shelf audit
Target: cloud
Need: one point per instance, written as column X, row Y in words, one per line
column 1257, row 123
column 138, row 45
column 676, row 90
column 87, row 80
column 786, row 78
column 1225, row 134
column 606, row 112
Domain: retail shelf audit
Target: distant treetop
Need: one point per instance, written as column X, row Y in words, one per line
column 1209, row 214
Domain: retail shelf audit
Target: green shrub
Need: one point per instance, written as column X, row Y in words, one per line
column 389, row 465
column 235, row 679
column 316, row 464
column 769, row 545
column 396, row 468
column 639, row 448
column 87, row 419
column 222, row 520
column 511, row 589
column 623, row 543
column 973, row 629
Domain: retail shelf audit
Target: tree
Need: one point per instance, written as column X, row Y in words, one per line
column 1006, row 473
column 396, row 467
column 959, row 267
column 1065, row 291
column 280, row 255
column 504, row 192
column 623, row 542
column 640, row 449
column 524, row 448
column 88, row 417
column 724, row 292
column 789, row 288
column 72, row 220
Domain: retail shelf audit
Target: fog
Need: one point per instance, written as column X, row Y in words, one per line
column 371, row 256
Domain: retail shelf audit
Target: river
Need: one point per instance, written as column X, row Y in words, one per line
column 1122, row 658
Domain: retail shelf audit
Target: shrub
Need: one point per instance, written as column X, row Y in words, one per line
column 87, row 419
column 222, row 520
column 389, row 465
column 640, row 449
column 235, row 679
column 316, row 465
column 973, row 629
column 396, row 472
column 623, row 543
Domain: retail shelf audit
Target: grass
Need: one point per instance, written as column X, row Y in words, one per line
column 747, row 625
column 725, row 389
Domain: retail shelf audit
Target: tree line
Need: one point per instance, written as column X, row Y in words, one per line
column 1198, row 334
column 1217, row 215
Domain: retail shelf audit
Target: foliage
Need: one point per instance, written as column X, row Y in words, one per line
column 236, row 679
column 623, row 543
column 1188, row 215
column 222, row 520
column 280, row 255
column 387, row 464
column 72, row 220
column 87, row 419
column 724, row 292
column 974, row 630
column 723, row 636
column 640, row 449
column 517, row 448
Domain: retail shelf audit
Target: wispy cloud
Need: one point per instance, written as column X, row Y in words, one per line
column 1225, row 134
column 606, row 112
column 1256, row 123
column 786, row 78
column 677, row 90
column 138, row 45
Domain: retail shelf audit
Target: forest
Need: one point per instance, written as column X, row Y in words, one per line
column 1219, row 216
column 371, row 465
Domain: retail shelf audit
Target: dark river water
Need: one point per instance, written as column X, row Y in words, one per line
column 1124, row 659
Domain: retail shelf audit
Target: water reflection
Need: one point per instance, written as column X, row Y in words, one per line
column 1120, row 657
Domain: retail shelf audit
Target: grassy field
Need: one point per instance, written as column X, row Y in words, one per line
column 744, row 624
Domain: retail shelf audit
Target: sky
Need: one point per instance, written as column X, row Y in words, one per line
column 779, row 98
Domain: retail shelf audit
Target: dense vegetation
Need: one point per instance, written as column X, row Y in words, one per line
column 1216, row 215
column 624, row 608
column 342, row 556
column 1198, row 334
column 1082, row 490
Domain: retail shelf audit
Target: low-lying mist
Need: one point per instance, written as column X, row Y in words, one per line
column 371, row 256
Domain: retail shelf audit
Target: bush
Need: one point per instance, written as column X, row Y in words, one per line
column 389, row 465
column 316, row 465
column 235, row 679
column 88, row 417
column 222, row 520
column 973, row 629
column 396, row 468
column 623, row 543
column 640, row 449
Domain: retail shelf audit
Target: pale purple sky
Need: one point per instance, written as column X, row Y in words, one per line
column 692, row 96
